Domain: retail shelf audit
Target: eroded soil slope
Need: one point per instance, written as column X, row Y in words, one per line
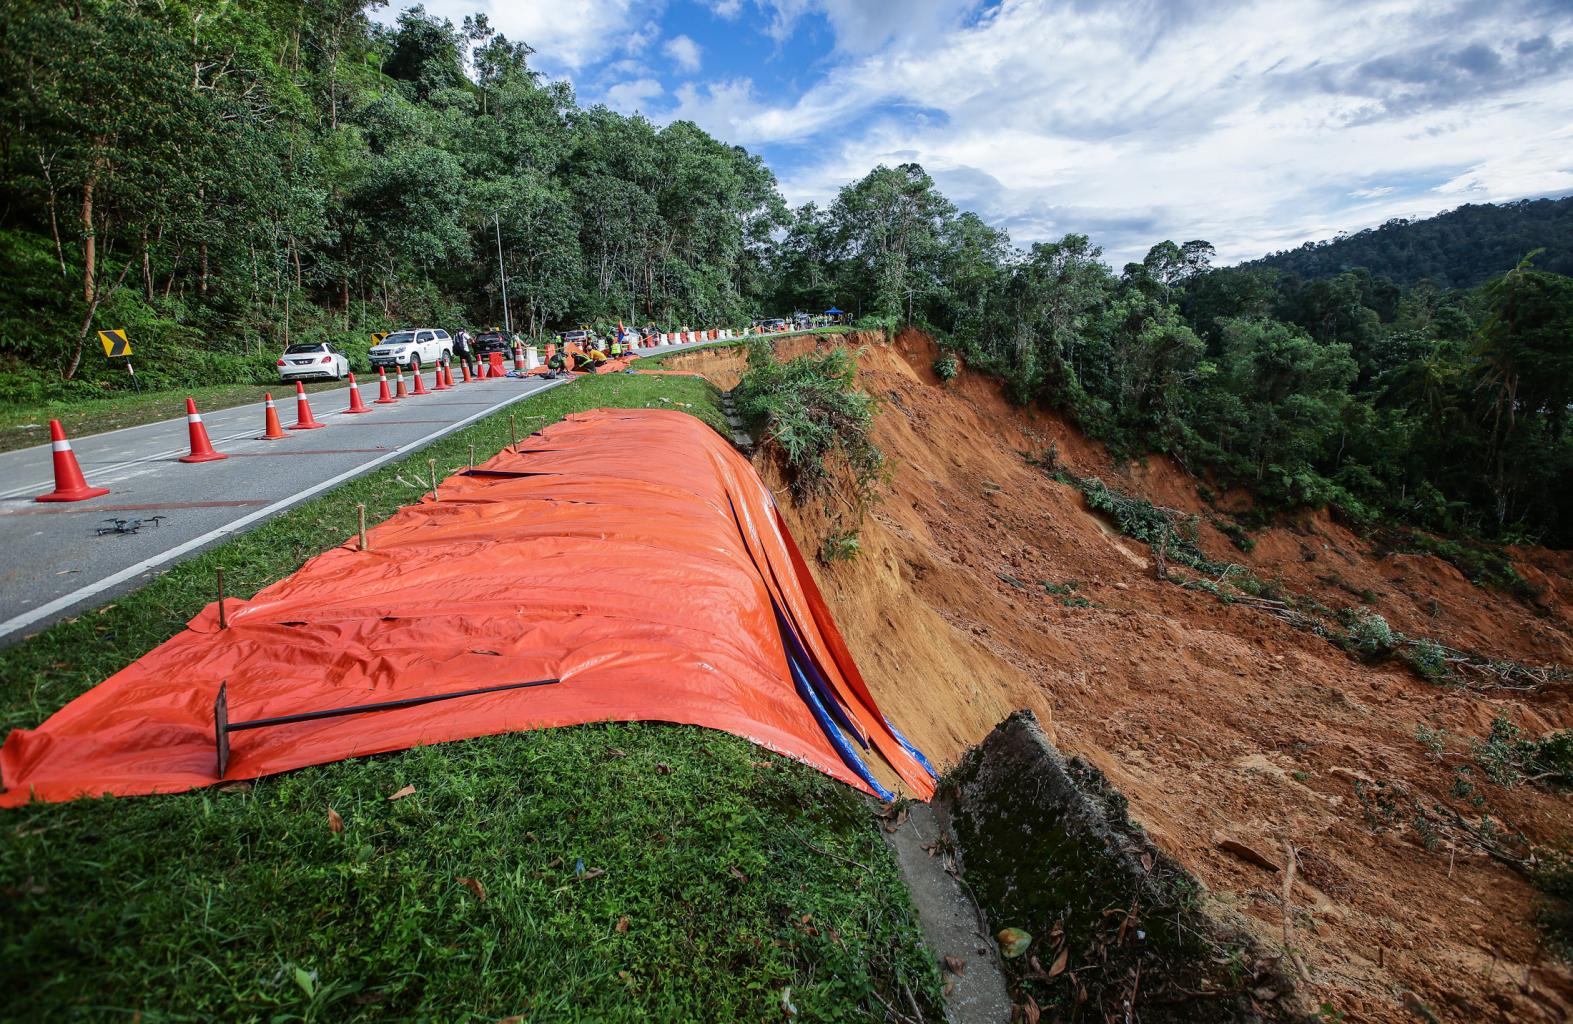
column 1218, row 721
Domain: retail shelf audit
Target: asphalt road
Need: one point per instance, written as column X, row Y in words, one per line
column 53, row 563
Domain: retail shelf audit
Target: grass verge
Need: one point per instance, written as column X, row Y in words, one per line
column 22, row 425
column 598, row 873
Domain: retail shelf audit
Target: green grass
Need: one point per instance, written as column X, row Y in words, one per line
column 24, row 424
column 244, row 905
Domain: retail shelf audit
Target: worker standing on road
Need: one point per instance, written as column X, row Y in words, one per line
column 464, row 349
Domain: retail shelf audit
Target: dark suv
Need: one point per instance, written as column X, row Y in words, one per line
column 488, row 342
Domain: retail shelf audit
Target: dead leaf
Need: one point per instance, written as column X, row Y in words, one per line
column 1147, row 861
column 663, row 768
column 950, row 986
column 615, row 752
column 474, row 885
column 1030, row 1013
column 622, row 925
column 479, row 650
column 1058, row 967
column 955, row 965
column 592, row 873
column 517, row 1018
column 401, row 794
column 335, row 822
column 1013, row 942
column 234, row 787
column 735, row 873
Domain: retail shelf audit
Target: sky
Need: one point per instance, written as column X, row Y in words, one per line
column 1255, row 126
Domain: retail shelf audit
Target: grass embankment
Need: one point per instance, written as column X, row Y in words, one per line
column 619, row 872
column 24, row 424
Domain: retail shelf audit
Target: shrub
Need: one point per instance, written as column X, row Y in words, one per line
column 813, row 410
column 1370, row 635
column 841, row 546
column 1509, row 757
column 947, row 367
column 1428, row 659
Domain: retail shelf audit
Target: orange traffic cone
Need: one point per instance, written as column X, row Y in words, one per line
column 270, row 419
column 480, row 370
column 518, row 357
column 69, row 484
column 201, row 447
column 403, row 392
column 464, row 368
column 439, row 384
column 385, row 397
column 447, row 374
column 304, row 420
column 420, row 383
column 356, row 405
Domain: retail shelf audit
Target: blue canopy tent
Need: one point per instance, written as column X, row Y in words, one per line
column 833, row 311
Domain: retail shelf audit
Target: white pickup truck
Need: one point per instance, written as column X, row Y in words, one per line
column 417, row 346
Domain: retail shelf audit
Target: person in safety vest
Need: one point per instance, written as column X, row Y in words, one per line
column 561, row 364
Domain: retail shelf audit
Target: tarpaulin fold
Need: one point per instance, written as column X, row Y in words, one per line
column 632, row 554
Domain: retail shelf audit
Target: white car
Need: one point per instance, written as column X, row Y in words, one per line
column 417, row 346
column 318, row 360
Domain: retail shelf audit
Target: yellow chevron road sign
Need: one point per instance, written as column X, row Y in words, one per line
column 116, row 345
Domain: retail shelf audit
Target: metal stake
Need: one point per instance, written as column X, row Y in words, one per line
column 472, row 456
column 361, row 511
column 223, row 623
column 513, row 428
column 432, row 463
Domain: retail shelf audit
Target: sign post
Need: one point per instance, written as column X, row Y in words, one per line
column 118, row 346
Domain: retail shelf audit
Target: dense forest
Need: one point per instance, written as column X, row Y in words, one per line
column 1442, row 407
column 221, row 179
column 1457, row 249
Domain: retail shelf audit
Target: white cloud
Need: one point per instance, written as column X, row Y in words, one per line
column 569, row 35
column 633, row 96
column 1256, row 125
column 683, row 50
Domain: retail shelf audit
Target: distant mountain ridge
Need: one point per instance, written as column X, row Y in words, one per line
column 1457, row 249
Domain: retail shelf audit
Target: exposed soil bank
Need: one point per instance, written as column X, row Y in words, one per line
column 1218, row 722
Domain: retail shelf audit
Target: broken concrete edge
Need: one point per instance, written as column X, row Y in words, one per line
column 1047, row 845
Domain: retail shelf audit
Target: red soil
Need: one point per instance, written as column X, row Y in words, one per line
column 1215, row 720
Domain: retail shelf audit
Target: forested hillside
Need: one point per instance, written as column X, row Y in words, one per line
column 222, row 179
column 1446, row 408
column 1457, row 249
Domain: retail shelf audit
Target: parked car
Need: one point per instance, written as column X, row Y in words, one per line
column 583, row 338
column 771, row 324
column 309, row 362
column 416, row 346
column 488, row 342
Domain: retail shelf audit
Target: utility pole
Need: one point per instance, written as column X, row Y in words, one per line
column 507, row 320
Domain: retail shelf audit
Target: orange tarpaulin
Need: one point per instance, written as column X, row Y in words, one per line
column 632, row 555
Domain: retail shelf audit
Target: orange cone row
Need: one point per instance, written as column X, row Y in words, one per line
column 70, row 485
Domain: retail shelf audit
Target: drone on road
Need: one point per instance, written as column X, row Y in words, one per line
column 128, row 525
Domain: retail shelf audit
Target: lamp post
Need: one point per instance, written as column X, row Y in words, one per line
column 502, row 274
